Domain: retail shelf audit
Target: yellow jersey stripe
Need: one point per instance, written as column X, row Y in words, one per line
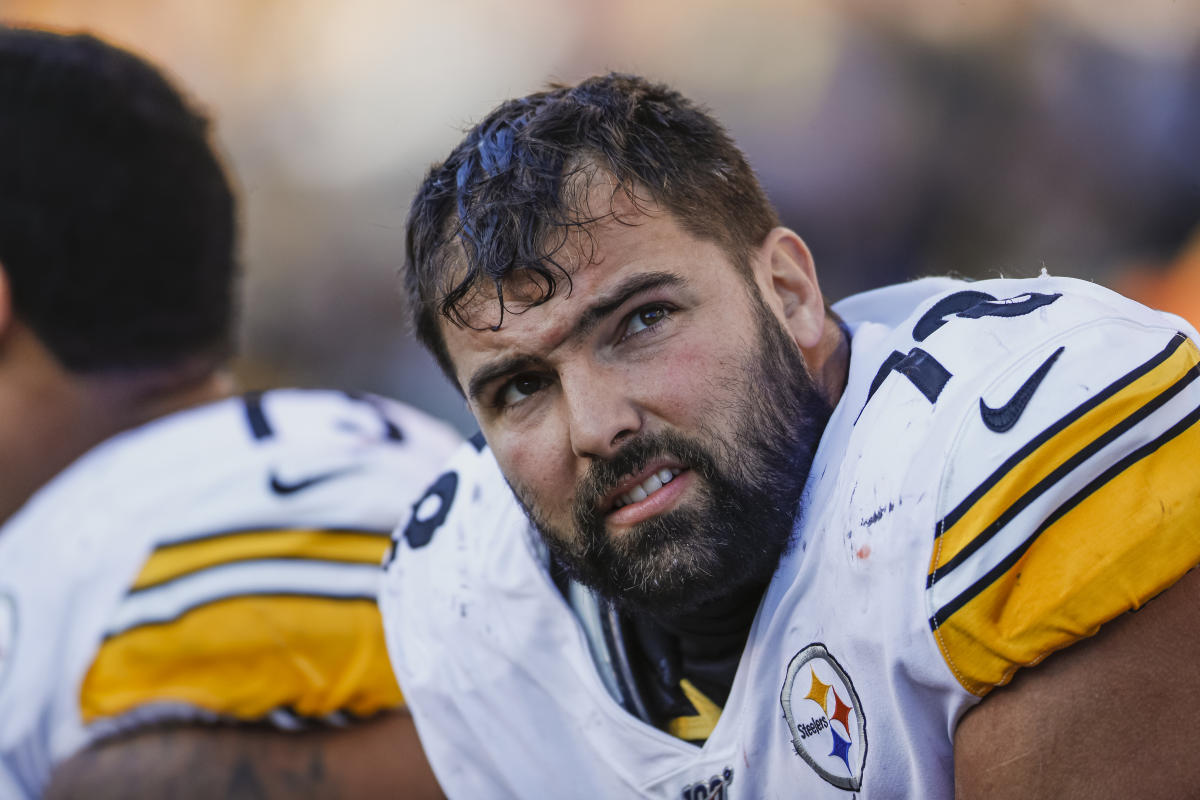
column 1118, row 542
column 176, row 560
column 951, row 518
column 699, row 727
column 244, row 657
column 1058, row 450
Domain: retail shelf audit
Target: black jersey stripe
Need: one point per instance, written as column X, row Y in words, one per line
column 1039, row 488
column 946, row 611
column 277, row 559
column 192, row 538
column 1033, row 444
column 299, row 545
column 218, row 598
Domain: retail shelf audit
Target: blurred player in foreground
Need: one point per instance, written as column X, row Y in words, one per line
column 172, row 555
column 778, row 549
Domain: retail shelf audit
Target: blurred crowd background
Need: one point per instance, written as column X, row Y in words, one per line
column 899, row 137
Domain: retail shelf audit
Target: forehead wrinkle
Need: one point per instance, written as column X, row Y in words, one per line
column 514, row 348
column 586, row 249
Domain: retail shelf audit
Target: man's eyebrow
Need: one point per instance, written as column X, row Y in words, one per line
column 618, row 295
column 490, row 372
column 589, row 319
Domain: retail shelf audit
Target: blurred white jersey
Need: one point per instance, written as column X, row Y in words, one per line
column 220, row 563
column 1012, row 464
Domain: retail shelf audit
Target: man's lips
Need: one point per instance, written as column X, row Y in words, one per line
column 653, row 490
column 637, row 486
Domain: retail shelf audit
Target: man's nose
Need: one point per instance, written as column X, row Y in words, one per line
column 601, row 413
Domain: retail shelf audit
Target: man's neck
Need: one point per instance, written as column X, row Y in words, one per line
column 51, row 416
column 703, row 645
column 829, row 360
column 728, row 616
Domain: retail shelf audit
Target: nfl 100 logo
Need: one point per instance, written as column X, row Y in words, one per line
column 715, row 788
column 825, row 716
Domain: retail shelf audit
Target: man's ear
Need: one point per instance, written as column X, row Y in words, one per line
column 784, row 272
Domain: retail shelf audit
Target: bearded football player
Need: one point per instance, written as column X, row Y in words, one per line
column 719, row 539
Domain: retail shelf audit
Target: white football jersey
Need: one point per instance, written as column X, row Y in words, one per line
column 218, row 563
column 1013, row 463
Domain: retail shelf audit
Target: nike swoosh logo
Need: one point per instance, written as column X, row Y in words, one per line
column 1002, row 418
column 281, row 488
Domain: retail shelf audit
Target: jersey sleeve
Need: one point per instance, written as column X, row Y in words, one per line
column 248, row 625
column 259, row 600
column 460, row 554
column 1070, row 493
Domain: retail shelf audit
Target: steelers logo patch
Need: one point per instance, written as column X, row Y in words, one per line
column 826, row 719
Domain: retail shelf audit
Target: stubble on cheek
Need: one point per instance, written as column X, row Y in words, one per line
column 557, row 528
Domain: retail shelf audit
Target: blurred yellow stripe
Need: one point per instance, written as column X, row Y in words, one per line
column 175, row 560
column 245, row 656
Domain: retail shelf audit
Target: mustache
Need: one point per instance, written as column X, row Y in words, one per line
column 602, row 477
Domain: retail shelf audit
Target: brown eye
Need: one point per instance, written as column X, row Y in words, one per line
column 520, row 388
column 650, row 316
column 527, row 385
column 646, row 317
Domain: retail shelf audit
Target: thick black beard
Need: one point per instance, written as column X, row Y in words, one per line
column 730, row 540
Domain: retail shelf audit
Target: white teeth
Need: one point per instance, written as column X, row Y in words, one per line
column 647, row 487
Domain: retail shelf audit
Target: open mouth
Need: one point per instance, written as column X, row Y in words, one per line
column 649, row 485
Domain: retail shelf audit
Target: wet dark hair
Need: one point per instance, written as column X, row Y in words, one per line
column 509, row 194
column 117, row 228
